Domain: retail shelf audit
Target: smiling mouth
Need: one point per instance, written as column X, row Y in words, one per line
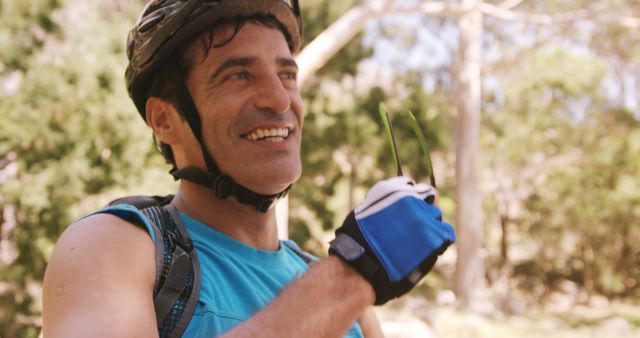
column 268, row 134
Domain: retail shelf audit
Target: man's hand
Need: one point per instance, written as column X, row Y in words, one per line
column 394, row 237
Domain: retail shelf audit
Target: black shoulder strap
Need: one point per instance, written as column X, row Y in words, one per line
column 305, row 256
column 143, row 201
column 177, row 283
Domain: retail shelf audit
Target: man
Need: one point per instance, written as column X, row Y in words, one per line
column 216, row 81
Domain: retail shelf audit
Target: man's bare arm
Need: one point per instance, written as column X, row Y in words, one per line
column 323, row 303
column 99, row 281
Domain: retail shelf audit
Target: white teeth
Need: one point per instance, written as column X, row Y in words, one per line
column 271, row 134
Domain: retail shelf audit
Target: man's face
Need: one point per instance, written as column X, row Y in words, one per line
column 250, row 108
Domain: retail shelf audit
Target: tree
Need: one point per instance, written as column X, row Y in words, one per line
column 70, row 139
column 555, row 143
column 470, row 266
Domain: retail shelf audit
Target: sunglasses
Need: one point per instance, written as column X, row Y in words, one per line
column 384, row 115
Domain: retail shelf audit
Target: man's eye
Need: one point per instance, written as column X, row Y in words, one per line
column 288, row 75
column 239, row 76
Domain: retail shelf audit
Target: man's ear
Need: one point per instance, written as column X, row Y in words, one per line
column 163, row 118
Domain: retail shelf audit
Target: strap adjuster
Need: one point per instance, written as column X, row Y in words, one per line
column 176, row 241
column 223, row 186
column 346, row 247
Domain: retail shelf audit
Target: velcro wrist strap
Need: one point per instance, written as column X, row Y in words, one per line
column 346, row 247
column 356, row 256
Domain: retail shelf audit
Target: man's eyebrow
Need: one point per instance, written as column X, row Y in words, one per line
column 230, row 63
column 286, row 62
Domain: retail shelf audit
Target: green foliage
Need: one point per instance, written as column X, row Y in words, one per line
column 70, row 138
column 565, row 167
column 25, row 27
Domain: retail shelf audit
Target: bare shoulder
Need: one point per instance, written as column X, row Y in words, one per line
column 104, row 242
column 100, row 275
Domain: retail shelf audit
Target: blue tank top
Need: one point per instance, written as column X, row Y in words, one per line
column 237, row 280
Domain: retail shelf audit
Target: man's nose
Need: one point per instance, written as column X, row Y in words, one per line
column 273, row 95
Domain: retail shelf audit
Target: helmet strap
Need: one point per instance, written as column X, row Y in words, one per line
column 222, row 184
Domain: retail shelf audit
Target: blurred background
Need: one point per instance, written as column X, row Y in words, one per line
column 531, row 111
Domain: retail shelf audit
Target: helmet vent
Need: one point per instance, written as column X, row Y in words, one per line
column 150, row 21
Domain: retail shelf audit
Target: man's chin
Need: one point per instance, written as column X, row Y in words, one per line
column 273, row 189
column 271, row 185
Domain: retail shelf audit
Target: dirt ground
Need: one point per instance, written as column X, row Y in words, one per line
column 417, row 318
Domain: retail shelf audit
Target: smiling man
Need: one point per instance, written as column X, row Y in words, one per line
column 216, row 82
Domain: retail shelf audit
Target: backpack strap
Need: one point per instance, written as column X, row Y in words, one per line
column 177, row 283
column 305, row 256
column 143, row 201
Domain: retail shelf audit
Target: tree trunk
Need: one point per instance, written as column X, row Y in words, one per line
column 329, row 42
column 282, row 218
column 469, row 279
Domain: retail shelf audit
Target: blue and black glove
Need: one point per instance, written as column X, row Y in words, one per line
column 394, row 237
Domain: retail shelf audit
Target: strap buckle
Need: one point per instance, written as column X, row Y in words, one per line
column 223, row 186
column 177, row 241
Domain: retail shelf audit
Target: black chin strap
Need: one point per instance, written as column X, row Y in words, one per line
column 222, row 184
